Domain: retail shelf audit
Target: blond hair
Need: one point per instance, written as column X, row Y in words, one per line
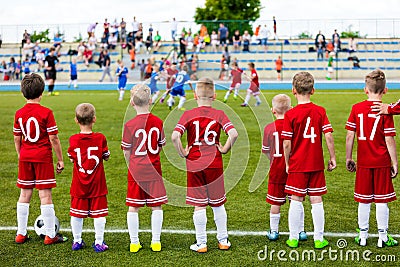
column 303, row 83
column 281, row 103
column 205, row 88
column 375, row 81
column 140, row 95
column 85, row 113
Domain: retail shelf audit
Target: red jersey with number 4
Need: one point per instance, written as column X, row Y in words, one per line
column 304, row 126
column 371, row 130
column 203, row 126
column 273, row 144
column 236, row 76
column 254, row 84
column 88, row 150
column 144, row 136
column 34, row 123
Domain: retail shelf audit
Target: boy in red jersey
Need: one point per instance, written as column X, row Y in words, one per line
column 142, row 141
column 272, row 147
column 254, row 87
column 87, row 150
column 171, row 72
column 205, row 178
column 302, row 131
column 376, row 160
column 236, row 74
column 35, row 134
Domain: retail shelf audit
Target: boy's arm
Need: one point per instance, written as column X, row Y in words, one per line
column 350, row 164
column 176, row 140
column 127, row 154
column 287, row 148
column 391, row 145
column 232, row 136
column 17, row 142
column 55, row 143
column 331, row 149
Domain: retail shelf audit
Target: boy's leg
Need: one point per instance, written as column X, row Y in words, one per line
column 237, row 86
column 121, row 94
column 48, row 213
column 295, row 210
column 246, row 100
column 221, row 221
column 318, row 215
column 155, row 96
column 200, row 223
column 76, row 227
column 258, row 100
column 170, row 101
column 274, row 218
column 382, row 219
column 99, row 228
column 75, row 83
column 227, row 94
column 182, row 101
column 23, row 210
column 156, row 224
column 133, row 224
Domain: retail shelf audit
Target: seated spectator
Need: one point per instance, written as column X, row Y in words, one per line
column 189, row 41
column 246, row 41
column 100, row 60
column 4, row 70
column 336, row 44
column 138, row 40
column 130, row 41
column 352, row 45
column 104, row 41
column 12, row 68
column 92, row 42
column 214, row 41
column 88, row 56
column 157, row 42
column 39, row 57
column 81, row 49
column 57, row 43
column 28, row 49
column 25, row 37
column 149, row 42
column 207, row 39
column 237, row 40
column 112, row 41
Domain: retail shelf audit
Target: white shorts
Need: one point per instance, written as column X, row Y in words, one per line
column 330, row 69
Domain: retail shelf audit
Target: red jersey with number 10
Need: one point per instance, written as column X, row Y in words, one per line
column 304, row 126
column 35, row 123
column 88, row 150
column 371, row 130
column 203, row 126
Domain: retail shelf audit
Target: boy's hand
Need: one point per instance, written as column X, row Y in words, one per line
column 287, row 169
column 331, row 165
column 186, row 151
column 350, row 165
column 393, row 171
column 220, row 148
column 60, row 167
column 380, row 108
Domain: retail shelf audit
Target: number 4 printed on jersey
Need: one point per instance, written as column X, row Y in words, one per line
column 312, row 134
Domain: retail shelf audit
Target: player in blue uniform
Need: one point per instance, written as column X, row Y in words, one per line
column 25, row 66
column 73, row 72
column 153, row 83
column 181, row 78
column 122, row 73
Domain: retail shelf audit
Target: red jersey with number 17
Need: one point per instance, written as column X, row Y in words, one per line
column 203, row 126
column 304, row 126
column 273, row 144
column 371, row 130
column 144, row 136
column 88, row 150
column 35, row 123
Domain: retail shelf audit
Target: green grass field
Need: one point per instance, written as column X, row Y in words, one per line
column 245, row 168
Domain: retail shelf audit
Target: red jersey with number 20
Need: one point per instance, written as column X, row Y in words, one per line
column 304, row 126
column 88, row 150
column 35, row 123
column 203, row 126
column 273, row 144
column 371, row 130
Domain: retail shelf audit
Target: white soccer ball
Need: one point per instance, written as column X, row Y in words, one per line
column 39, row 226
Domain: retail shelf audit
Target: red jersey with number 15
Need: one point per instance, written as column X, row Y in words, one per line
column 35, row 123
column 144, row 136
column 273, row 144
column 203, row 126
column 88, row 150
column 371, row 130
column 304, row 126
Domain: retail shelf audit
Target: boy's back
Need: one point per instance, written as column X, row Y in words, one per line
column 88, row 151
column 372, row 151
column 272, row 144
column 304, row 125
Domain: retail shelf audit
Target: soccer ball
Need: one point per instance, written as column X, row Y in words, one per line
column 39, row 226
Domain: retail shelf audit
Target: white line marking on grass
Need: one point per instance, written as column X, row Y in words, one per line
column 192, row 232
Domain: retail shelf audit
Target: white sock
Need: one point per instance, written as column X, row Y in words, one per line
column 200, row 224
column 170, row 101
column 318, row 215
column 121, row 93
column 156, row 225
column 76, row 227
column 75, row 83
column 22, row 217
column 70, row 82
column 99, row 227
column 236, row 91
column 48, row 214
column 382, row 219
column 258, row 99
column 246, row 100
column 302, row 218
column 154, row 98
column 221, row 221
column 181, row 101
column 274, row 222
column 363, row 218
column 295, row 209
column 133, row 226
column 227, row 94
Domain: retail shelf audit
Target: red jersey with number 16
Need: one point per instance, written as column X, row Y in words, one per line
column 35, row 123
column 371, row 130
column 304, row 126
column 203, row 126
column 88, row 150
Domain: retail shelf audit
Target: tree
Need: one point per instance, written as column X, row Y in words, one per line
column 242, row 12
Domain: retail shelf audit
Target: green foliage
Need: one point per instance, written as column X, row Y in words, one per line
column 350, row 34
column 305, row 35
column 78, row 38
column 236, row 14
column 42, row 36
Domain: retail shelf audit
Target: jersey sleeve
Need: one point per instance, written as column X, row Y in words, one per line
column 51, row 125
column 327, row 126
column 17, row 128
column 226, row 123
column 265, row 144
column 181, row 125
column 105, row 152
column 351, row 122
column 388, row 126
column 71, row 153
column 394, row 108
column 126, row 143
column 287, row 130
column 162, row 141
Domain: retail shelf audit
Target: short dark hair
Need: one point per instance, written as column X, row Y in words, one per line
column 32, row 86
column 251, row 64
column 303, row 83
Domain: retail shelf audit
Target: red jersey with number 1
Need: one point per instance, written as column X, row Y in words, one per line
column 34, row 123
column 273, row 144
column 304, row 126
column 203, row 126
column 144, row 136
column 88, row 150
column 371, row 130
